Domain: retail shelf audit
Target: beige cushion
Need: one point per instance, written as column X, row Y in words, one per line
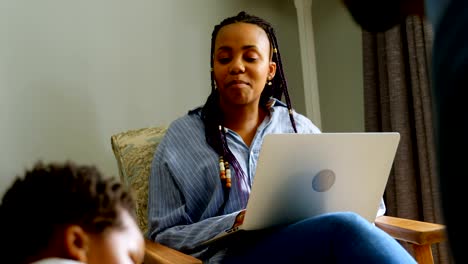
column 134, row 150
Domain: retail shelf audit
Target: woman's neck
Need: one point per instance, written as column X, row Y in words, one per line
column 244, row 121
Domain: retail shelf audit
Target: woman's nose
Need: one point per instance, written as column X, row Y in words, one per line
column 237, row 66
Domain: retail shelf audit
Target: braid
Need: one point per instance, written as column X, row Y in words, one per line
column 211, row 113
column 282, row 86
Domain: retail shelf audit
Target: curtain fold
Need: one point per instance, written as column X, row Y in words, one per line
column 397, row 97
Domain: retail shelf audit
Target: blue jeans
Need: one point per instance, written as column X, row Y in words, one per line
column 331, row 238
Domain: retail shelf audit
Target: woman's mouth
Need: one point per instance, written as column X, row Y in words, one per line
column 237, row 84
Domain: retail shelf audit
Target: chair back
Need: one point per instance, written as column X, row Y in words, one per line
column 134, row 151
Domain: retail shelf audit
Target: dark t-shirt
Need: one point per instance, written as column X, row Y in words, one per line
column 450, row 88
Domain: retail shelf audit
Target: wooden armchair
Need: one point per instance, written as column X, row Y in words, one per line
column 134, row 151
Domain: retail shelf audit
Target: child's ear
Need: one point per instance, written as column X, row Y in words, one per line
column 77, row 243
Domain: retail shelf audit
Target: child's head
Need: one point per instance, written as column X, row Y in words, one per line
column 72, row 212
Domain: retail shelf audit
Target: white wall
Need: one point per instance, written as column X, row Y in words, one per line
column 338, row 47
column 72, row 73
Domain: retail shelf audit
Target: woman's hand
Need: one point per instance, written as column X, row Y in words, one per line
column 239, row 218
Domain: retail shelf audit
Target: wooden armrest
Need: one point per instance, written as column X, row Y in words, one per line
column 412, row 231
column 156, row 253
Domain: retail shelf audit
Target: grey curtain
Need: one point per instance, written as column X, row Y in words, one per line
column 397, row 97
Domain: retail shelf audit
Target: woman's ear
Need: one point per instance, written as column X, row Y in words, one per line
column 272, row 70
column 77, row 243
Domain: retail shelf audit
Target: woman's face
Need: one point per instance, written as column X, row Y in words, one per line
column 242, row 64
column 124, row 245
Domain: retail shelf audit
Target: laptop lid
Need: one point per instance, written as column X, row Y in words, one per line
column 303, row 175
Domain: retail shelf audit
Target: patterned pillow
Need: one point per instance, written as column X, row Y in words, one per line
column 134, row 151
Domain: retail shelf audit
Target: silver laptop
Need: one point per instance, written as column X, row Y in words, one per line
column 303, row 175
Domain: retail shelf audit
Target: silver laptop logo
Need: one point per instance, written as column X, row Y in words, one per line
column 323, row 180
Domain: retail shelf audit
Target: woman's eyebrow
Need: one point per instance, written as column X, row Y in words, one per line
column 245, row 47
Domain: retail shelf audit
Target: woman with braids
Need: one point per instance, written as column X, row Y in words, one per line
column 203, row 168
column 66, row 214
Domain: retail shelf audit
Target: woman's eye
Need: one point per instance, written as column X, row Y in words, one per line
column 251, row 59
column 223, row 60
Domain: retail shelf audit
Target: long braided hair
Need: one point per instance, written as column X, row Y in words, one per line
column 211, row 113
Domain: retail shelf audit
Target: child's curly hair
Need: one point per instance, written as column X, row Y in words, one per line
column 54, row 196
